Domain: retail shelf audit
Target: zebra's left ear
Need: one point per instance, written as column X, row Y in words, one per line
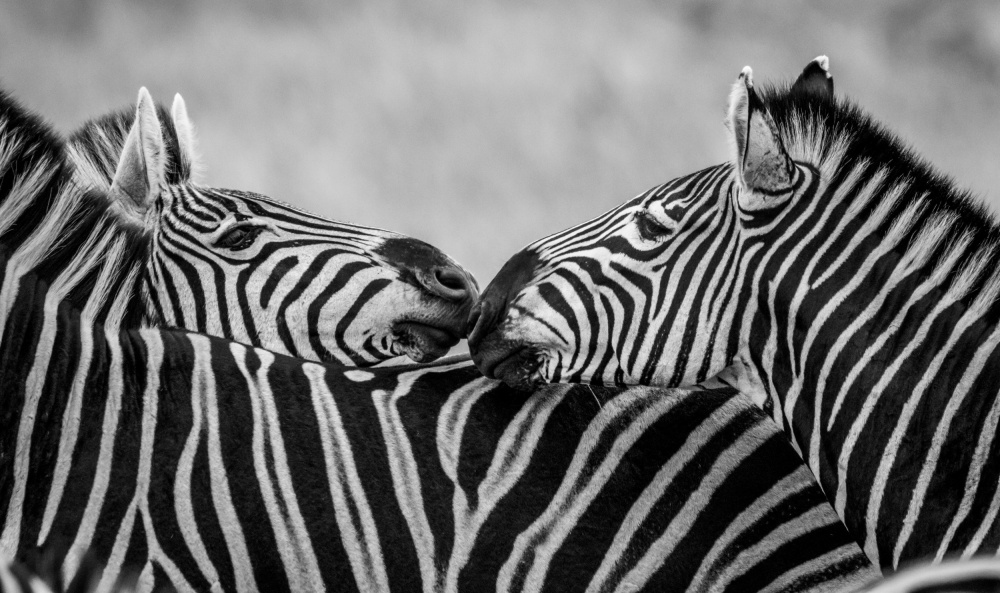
column 760, row 158
column 141, row 172
column 188, row 147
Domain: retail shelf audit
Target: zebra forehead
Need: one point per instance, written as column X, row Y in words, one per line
column 409, row 252
column 516, row 272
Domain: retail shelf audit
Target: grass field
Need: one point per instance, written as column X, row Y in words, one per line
column 480, row 126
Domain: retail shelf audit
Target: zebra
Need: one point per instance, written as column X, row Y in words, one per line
column 979, row 575
column 827, row 272
column 241, row 265
column 39, row 572
column 208, row 464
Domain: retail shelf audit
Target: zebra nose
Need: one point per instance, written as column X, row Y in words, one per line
column 450, row 283
column 501, row 291
column 480, row 318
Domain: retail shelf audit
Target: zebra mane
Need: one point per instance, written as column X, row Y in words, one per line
column 838, row 132
column 97, row 145
column 63, row 234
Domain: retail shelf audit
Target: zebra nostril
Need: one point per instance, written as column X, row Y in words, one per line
column 450, row 278
column 449, row 283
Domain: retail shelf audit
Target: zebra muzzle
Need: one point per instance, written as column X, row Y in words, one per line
column 422, row 342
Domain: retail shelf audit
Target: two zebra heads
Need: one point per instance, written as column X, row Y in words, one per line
column 824, row 272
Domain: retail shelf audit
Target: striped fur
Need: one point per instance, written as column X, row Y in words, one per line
column 251, row 471
column 292, row 282
column 207, row 464
column 857, row 303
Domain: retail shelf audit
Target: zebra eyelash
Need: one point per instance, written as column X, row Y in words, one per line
column 649, row 228
column 239, row 237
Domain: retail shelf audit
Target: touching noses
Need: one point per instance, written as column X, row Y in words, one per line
column 481, row 322
column 494, row 302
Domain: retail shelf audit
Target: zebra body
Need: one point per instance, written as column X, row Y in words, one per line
column 208, row 464
column 848, row 288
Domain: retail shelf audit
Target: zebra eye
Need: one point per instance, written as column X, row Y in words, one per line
column 239, row 238
column 650, row 229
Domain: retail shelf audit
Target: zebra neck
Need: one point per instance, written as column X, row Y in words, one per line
column 886, row 372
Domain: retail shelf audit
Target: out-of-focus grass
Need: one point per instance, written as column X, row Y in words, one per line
column 480, row 126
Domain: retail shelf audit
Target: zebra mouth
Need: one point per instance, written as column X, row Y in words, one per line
column 422, row 342
column 517, row 367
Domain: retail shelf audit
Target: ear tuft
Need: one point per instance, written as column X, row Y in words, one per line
column 141, row 170
column 815, row 78
column 186, row 142
column 760, row 157
column 738, row 112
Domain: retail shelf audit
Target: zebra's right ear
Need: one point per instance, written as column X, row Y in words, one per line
column 188, row 147
column 760, row 159
column 815, row 78
column 141, row 172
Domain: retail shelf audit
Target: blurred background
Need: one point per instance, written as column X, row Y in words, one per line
column 482, row 125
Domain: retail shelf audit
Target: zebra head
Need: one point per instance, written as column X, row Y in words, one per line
column 650, row 292
column 249, row 268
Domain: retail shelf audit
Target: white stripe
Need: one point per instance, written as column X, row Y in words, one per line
column 696, row 503
column 940, row 434
column 154, row 361
column 405, row 477
column 105, row 460
column 113, row 567
column 258, row 389
column 406, row 481
column 513, row 453
column 583, row 482
column 183, row 504
column 95, row 249
column 776, row 496
column 870, row 543
column 984, row 447
column 303, row 568
column 818, row 324
column 360, row 541
column 840, row 583
column 203, row 387
column 71, row 416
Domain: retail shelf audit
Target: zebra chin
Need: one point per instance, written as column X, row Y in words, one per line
column 514, row 362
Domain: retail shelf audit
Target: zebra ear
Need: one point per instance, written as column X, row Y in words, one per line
column 142, row 167
column 186, row 143
column 816, row 78
column 760, row 157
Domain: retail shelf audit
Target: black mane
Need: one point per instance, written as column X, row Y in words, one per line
column 30, row 146
column 869, row 140
column 872, row 149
